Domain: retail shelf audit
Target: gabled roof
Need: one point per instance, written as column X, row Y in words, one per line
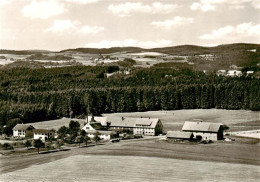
column 179, row 134
column 22, row 127
column 201, row 126
column 126, row 122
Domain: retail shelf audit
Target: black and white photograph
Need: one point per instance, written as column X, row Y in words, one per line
column 129, row 90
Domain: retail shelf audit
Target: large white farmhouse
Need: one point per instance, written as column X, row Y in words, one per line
column 23, row 130
column 143, row 126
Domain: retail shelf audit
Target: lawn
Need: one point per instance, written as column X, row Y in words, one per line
column 133, row 168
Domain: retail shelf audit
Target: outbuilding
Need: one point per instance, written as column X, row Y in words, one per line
column 92, row 128
column 43, row 134
column 205, row 130
column 179, row 135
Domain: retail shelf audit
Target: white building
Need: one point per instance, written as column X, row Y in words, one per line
column 43, row 134
column 233, row 73
column 143, row 126
column 248, row 73
column 205, row 130
column 92, row 128
column 23, row 130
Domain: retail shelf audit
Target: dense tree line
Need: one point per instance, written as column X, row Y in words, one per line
column 42, row 94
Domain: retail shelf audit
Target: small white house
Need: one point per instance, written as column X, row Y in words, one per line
column 43, row 134
column 248, row 73
column 23, row 130
column 233, row 73
column 92, row 128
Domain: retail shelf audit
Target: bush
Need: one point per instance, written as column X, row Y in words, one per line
column 6, row 146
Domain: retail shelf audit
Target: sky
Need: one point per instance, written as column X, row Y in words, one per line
column 62, row 24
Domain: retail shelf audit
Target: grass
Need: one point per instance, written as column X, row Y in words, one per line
column 174, row 120
column 133, row 168
column 56, row 124
column 237, row 120
column 148, row 159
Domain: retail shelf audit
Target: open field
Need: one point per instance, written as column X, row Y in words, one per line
column 157, row 160
column 133, row 168
column 237, row 120
column 249, row 134
column 151, row 158
column 56, row 124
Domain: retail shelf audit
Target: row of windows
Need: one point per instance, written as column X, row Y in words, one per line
column 142, row 125
column 145, row 129
column 141, row 132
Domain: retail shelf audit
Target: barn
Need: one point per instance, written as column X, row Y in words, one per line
column 179, row 135
column 205, row 130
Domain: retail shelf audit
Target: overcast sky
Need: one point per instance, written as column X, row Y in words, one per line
column 63, row 24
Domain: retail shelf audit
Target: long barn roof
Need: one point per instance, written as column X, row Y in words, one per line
column 126, row 122
column 201, row 126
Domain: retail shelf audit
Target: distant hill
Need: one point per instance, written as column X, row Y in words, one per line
column 22, row 64
column 23, row 52
column 46, row 57
column 175, row 50
column 105, row 50
column 202, row 58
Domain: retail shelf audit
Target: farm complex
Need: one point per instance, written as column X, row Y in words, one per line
column 186, row 133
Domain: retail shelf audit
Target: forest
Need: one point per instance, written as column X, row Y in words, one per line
column 32, row 95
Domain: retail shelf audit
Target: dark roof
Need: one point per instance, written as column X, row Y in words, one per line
column 179, row 134
column 42, row 131
column 201, row 126
column 97, row 126
column 22, row 127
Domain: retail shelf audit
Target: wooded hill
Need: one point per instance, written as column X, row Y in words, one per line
column 28, row 95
